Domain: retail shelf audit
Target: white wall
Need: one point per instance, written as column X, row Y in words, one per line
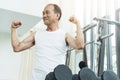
column 9, row 61
column 32, row 7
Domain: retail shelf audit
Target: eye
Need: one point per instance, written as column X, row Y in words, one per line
column 43, row 12
column 47, row 12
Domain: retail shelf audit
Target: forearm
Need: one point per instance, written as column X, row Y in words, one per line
column 79, row 35
column 14, row 38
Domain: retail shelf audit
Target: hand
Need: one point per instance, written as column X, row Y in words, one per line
column 73, row 20
column 16, row 24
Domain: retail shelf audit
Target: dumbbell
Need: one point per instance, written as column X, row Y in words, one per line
column 61, row 72
column 75, row 77
column 87, row 74
column 82, row 64
column 109, row 75
column 50, row 76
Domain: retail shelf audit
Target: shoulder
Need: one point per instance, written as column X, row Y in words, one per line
column 32, row 33
column 67, row 35
column 62, row 31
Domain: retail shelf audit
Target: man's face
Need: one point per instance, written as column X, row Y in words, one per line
column 49, row 16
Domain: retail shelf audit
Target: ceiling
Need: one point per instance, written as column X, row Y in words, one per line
column 7, row 16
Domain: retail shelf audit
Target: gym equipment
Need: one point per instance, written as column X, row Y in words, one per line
column 82, row 64
column 50, row 76
column 104, row 25
column 87, row 74
column 75, row 77
column 109, row 75
column 62, row 72
column 117, row 38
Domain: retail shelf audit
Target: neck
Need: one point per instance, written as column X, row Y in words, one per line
column 52, row 27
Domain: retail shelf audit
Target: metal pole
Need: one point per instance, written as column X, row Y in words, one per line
column 101, row 52
column 108, row 49
column 92, row 51
column 84, row 50
column 117, row 30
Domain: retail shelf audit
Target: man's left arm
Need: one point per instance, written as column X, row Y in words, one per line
column 78, row 41
column 79, row 35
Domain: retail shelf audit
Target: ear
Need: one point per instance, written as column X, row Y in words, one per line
column 58, row 15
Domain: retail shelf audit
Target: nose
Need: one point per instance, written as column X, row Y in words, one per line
column 44, row 16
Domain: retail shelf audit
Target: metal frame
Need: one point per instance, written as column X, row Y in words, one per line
column 108, row 47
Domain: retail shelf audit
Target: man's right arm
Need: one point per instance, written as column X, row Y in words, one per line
column 16, row 43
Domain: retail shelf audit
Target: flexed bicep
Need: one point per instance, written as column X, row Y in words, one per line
column 25, row 44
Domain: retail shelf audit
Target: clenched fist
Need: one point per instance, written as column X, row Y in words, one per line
column 73, row 19
column 16, row 24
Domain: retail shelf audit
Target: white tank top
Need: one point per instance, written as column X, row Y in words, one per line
column 50, row 49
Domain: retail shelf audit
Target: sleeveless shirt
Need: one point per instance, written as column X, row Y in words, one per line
column 50, row 49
